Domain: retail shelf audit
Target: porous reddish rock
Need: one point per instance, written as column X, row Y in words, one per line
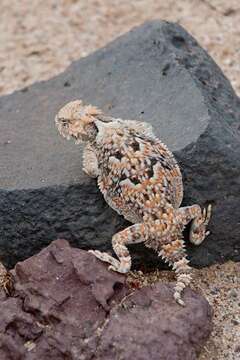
column 67, row 305
column 62, row 297
column 149, row 324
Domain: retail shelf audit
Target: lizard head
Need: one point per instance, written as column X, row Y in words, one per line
column 76, row 120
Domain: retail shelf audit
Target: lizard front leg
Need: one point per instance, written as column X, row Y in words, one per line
column 200, row 221
column 90, row 163
column 132, row 235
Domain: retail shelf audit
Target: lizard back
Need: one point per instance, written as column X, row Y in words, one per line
column 138, row 175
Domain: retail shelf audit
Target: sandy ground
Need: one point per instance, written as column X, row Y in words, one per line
column 39, row 39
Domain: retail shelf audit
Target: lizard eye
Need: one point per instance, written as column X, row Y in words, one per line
column 64, row 122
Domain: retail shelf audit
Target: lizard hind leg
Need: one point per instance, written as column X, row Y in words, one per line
column 198, row 227
column 200, row 219
column 174, row 254
column 131, row 235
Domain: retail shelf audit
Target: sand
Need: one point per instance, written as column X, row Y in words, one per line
column 39, row 39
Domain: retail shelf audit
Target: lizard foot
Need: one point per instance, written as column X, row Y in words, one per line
column 115, row 264
column 198, row 228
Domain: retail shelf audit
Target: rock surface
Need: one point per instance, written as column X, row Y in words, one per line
column 150, row 325
column 157, row 73
column 62, row 298
column 67, row 305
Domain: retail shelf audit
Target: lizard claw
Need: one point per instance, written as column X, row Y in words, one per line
column 96, row 253
column 207, row 214
column 113, row 268
column 118, row 268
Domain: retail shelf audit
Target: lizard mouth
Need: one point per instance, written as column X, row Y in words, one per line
column 77, row 139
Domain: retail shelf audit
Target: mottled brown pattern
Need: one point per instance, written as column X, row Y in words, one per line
column 140, row 179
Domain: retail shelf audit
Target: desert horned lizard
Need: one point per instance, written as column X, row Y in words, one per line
column 140, row 179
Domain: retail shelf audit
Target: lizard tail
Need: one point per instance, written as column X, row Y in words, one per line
column 182, row 270
column 174, row 253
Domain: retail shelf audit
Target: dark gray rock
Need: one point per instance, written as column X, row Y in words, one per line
column 67, row 305
column 158, row 73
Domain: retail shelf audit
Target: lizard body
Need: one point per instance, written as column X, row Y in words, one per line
column 141, row 180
